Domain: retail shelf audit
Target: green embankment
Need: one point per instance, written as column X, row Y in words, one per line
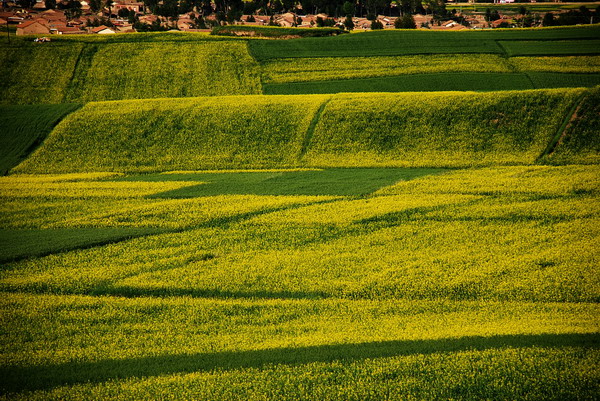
column 75, row 71
column 580, row 140
column 37, row 74
column 444, row 129
column 167, row 134
column 156, row 70
column 24, row 127
column 438, row 129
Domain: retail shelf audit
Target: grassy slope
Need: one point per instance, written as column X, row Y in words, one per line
column 163, row 134
column 580, row 142
column 25, row 127
column 78, row 71
column 438, row 129
column 271, row 131
column 156, row 70
column 36, row 73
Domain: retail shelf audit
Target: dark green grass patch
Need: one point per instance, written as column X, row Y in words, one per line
column 557, row 80
column 20, row 244
column 25, row 127
column 468, row 81
column 551, row 48
column 341, row 182
column 408, row 83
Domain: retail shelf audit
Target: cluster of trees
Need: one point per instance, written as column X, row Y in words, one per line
column 572, row 17
column 232, row 10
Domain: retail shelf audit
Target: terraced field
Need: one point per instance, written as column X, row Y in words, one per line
column 81, row 69
column 164, row 241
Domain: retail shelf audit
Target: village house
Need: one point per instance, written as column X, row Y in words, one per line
column 259, row 20
column 53, row 16
column 507, row 21
column 102, row 30
column 421, row 20
column 361, row 23
column 287, row 20
column 33, row 27
column 148, row 19
column 130, row 5
column 69, row 30
column 387, row 22
column 12, row 18
column 185, row 23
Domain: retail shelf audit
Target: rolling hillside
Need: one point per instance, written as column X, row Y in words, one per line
column 454, row 129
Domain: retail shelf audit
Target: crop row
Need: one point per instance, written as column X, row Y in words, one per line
column 326, row 68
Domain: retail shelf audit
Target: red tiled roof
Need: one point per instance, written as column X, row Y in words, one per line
column 31, row 22
column 99, row 28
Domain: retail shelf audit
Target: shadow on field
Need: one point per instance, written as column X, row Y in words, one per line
column 15, row 379
column 134, row 292
column 332, row 182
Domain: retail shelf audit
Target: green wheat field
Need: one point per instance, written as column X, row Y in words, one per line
column 398, row 215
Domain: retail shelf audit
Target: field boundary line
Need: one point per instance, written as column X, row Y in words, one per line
column 86, row 55
column 310, row 131
column 564, row 127
column 501, row 46
column 533, row 85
